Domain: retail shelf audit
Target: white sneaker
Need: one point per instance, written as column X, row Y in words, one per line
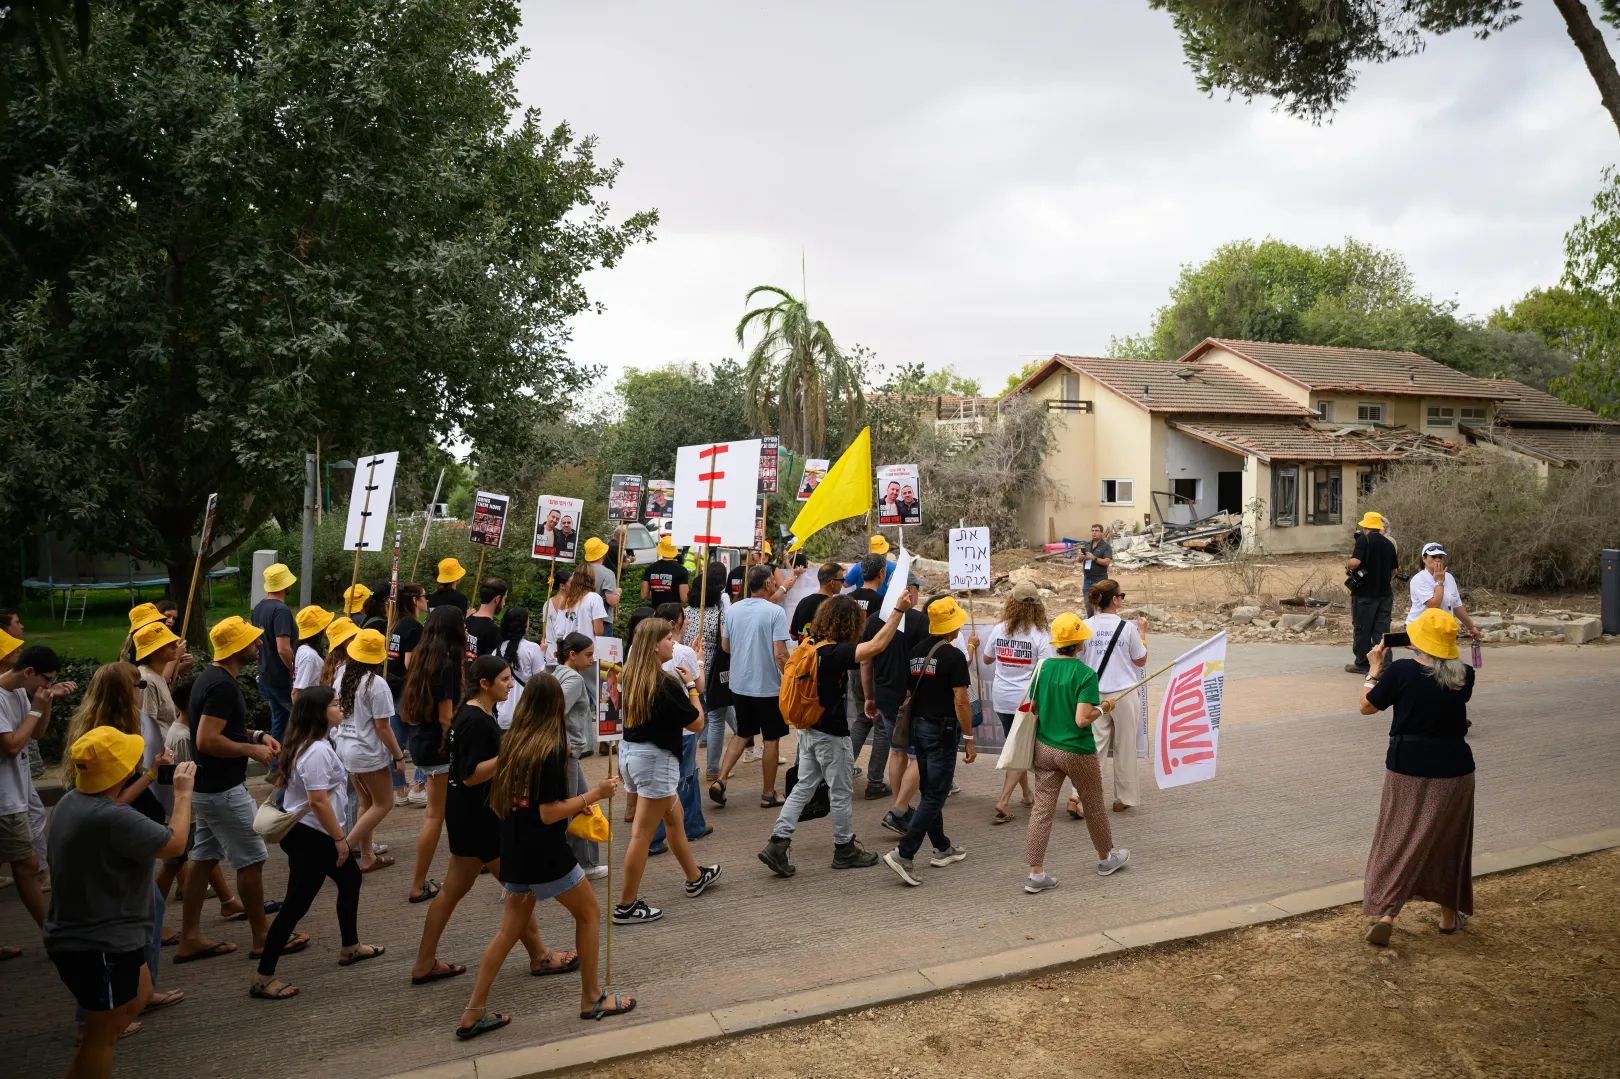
column 417, row 798
column 943, row 858
column 5, row 882
column 750, row 755
column 1044, row 883
column 1116, row 860
column 596, row 872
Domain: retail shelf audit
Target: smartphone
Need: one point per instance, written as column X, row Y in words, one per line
column 166, row 774
column 1397, row 640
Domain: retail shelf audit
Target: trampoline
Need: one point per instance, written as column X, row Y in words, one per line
column 131, row 584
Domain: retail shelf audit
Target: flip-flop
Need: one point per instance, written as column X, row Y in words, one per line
column 10, row 951
column 219, row 947
column 165, row 999
column 360, row 954
column 770, row 802
column 1379, row 933
column 487, row 1021
column 298, row 943
column 717, row 793
column 430, row 888
column 449, row 970
column 1075, row 813
column 571, row 963
column 170, row 939
column 271, row 906
column 620, row 1007
column 382, row 861
column 1002, row 817
column 379, row 848
column 274, row 989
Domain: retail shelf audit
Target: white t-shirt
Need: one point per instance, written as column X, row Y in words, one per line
column 317, row 769
column 685, row 656
column 560, row 624
column 1422, row 587
column 307, row 664
column 15, row 782
column 1122, row 672
column 152, row 734
column 358, row 744
column 1014, row 656
column 530, row 662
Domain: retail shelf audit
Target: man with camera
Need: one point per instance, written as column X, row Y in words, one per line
column 1370, row 570
column 1098, row 555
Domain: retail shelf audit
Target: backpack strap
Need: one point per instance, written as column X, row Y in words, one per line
column 1112, row 641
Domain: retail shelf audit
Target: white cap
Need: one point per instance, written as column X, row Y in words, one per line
column 1433, row 549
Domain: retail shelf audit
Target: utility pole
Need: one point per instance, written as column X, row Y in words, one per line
column 306, row 566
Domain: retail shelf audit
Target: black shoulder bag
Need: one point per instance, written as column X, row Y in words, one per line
column 902, row 722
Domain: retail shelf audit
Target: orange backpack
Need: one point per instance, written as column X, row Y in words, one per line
column 798, row 700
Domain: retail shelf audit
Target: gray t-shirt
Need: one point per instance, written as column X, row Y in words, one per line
column 1095, row 571
column 606, row 581
column 752, row 628
column 276, row 619
column 579, row 707
column 101, row 875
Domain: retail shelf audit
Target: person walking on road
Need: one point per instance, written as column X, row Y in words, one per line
column 1436, row 589
column 1015, row 645
column 575, row 674
column 1371, row 568
column 365, row 741
column 884, row 680
column 1423, row 846
column 1099, row 555
column 755, row 636
column 1117, row 653
column 432, row 691
column 274, row 619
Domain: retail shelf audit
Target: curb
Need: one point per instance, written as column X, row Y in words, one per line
column 589, row 1049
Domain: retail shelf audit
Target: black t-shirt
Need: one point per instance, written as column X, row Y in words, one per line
column 402, row 643
column 1428, row 712
column 1099, row 549
column 276, row 619
column 215, row 693
column 483, row 635
column 805, row 612
column 834, row 662
column 427, row 736
column 1377, row 556
column 475, row 737
column 869, row 600
column 891, row 668
column 532, row 851
column 671, row 711
column 664, row 579
column 452, row 595
column 734, row 582
column 937, row 679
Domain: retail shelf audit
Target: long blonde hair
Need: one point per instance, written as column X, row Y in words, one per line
column 537, row 734
column 643, row 676
column 1022, row 614
column 109, row 701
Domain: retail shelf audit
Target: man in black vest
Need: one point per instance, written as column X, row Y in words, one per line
column 1371, row 568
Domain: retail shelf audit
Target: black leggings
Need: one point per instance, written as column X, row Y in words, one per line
column 311, row 858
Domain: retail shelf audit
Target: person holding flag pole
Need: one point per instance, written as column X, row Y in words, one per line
column 427, row 522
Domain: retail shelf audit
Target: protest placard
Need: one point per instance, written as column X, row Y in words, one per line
column 489, row 518
column 1189, row 726
column 716, row 485
column 897, row 495
column 767, row 464
column 609, row 665
column 368, row 502
column 556, row 527
column 970, row 558
column 660, row 503
column 624, row 498
column 897, row 583
column 814, row 469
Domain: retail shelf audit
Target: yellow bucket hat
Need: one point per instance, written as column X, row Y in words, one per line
column 311, row 620
column 1371, row 520
column 450, row 571
column 144, row 615
column 354, row 598
column 368, row 647
column 8, row 644
column 278, row 578
column 1434, row 632
column 945, row 615
column 230, row 635
column 1067, row 629
column 105, row 756
column 150, row 637
column 595, row 550
column 767, row 544
column 340, row 630
column 666, row 547
column 878, row 545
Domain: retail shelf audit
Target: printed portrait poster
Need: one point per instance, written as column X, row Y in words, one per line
column 489, row 518
column 624, row 498
column 556, row 527
column 609, row 666
column 767, row 464
column 759, row 524
column 897, row 489
column 814, row 470
column 660, row 500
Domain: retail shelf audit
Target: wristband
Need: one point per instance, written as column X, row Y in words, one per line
column 151, row 775
column 35, row 713
column 1369, row 685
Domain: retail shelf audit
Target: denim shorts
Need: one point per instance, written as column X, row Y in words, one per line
column 225, row 828
column 889, row 720
column 434, row 769
column 648, row 771
column 551, row 889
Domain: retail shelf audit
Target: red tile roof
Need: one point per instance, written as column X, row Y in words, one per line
column 1357, row 370
column 1540, row 407
column 1559, row 445
column 1174, row 387
column 1286, row 441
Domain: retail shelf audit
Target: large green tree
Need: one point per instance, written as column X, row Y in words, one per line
column 245, row 224
column 1587, row 310
column 793, row 369
column 672, row 406
column 1304, row 52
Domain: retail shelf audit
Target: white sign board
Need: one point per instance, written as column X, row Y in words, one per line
column 556, row 527
column 897, row 495
column 897, row 584
column 715, row 487
column 1189, row 726
column 970, row 558
column 368, row 502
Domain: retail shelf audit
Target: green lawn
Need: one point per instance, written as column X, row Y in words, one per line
column 105, row 625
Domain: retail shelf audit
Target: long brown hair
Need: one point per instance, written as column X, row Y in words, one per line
column 838, row 619
column 110, row 701
column 336, row 656
column 305, row 727
column 537, row 734
column 580, row 583
column 444, row 641
column 643, row 676
column 354, row 673
column 1023, row 614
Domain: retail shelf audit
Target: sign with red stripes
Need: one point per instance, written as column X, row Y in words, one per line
column 715, row 487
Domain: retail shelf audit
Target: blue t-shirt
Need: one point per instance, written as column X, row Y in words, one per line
column 276, row 619
column 853, row 576
column 753, row 626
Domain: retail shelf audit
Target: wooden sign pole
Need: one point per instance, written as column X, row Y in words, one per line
column 545, row 609
column 196, row 569
column 478, row 574
column 417, row 561
column 360, row 541
column 607, row 973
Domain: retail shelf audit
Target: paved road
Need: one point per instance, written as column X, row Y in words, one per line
column 1293, row 807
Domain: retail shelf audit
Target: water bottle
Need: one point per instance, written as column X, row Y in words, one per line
column 1477, row 659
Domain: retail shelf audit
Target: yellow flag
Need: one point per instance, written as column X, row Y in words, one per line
column 845, row 491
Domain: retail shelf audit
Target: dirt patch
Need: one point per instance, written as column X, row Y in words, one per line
column 1530, row 988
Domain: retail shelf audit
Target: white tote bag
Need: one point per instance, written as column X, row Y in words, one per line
column 1018, row 755
column 273, row 824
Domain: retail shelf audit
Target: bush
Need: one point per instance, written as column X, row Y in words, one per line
column 1503, row 528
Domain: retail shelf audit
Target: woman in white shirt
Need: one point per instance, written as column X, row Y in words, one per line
column 523, row 657
column 576, row 609
column 365, row 739
column 1434, row 587
column 1013, row 648
column 1121, row 733
column 313, row 780
column 309, row 659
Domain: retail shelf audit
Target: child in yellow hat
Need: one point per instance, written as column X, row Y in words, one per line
column 312, row 622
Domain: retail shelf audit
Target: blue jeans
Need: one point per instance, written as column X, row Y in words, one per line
column 691, row 799
column 280, row 702
column 935, row 743
column 402, row 736
column 714, row 737
column 154, row 947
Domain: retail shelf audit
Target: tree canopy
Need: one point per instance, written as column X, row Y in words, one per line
column 244, row 225
column 1586, row 312
column 793, row 371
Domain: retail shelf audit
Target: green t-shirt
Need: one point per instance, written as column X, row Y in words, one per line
column 1062, row 683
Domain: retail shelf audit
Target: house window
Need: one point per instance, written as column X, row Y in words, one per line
column 1324, row 410
column 1185, row 492
column 1326, row 505
column 1285, row 495
column 1070, row 401
column 1471, row 415
column 1367, row 481
column 1071, row 387
column 1366, row 413
column 1118, row 492
column 1441, row 416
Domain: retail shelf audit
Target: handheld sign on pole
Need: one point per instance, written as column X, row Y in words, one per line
column 488, row 527
column 814, row 470
column 427, row 522
column 660, row 503
column 1189, row 724
column 556, row 536
column 624, row 497
column 368, row 503
column 768, row 450
column 897, row 584
column 393, row 588
column 202, row 546
column 715, row 488
column 970, row 569
column 898, row 495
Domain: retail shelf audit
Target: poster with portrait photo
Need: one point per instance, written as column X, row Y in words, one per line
column 815, row 470
column 768, row 447
column 660, row 502
column 489, row 518
column 624, row 498
column 897, row 495
column 609, row 666
column 556, row 527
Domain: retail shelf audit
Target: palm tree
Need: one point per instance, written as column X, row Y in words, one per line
column 794, row 367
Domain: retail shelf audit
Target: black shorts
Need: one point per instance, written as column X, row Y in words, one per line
column 424, row 742
column 474, row 832
column 101, row 981
column 759, row 715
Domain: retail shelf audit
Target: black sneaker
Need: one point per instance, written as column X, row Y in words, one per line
column 894, row 822
column 874, row 791
column 775, row 856
column 852, row 855
column 1355, row 668
column 707, row 875
column 638, row 911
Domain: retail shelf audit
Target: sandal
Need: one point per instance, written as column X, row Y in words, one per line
column 770, row 801
column 1379, row 933
column 570, row 963
column 274, row 989
column 219, row 947
column 1074, row 809
column 382, row 861
column 441, row 970
column 271, row 906
column 1462, row 923
column 487, row 1021
column 717, row 793
column 170, row 938
column 621, row 1005
column 361, row 953
column 1002, row 817
column 165, row 998
column 430, row 888
column 297, row 943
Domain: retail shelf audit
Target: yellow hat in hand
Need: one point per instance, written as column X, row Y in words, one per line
column 450, row 571
column 354, row 598
column 150, row 637
column 1068, row 629
column 311, row 620
column 278, row 578
column 1434, row 632
column 230, row 635
column 340, row 631
column 105, row 756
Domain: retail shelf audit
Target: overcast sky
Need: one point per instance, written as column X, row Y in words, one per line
column 979, row 184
